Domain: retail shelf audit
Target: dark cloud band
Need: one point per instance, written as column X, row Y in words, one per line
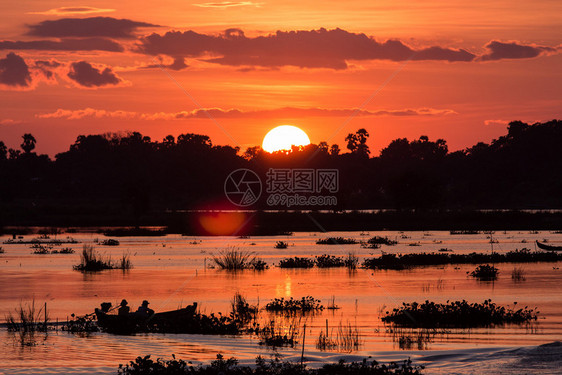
column 88, row 27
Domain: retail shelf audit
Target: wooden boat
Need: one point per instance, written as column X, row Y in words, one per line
column 168, row 321
column 548, row 247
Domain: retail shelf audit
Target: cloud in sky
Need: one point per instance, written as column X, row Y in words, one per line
column 9, row 121
column 83, row 44
column 514, row 50
column 306, row 49
column 287, row 112
column 88, row 27
column 14, row 72
column 496, row 122
column 177, row 64
column 66, row 11
column 47, row 68
column 87, row 75
column 19, row 74
column 228, row 4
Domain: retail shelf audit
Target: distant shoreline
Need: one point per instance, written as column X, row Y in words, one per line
column 272, row 223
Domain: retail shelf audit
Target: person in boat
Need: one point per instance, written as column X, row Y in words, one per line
column 123, row 308
column 105, row 307
column 144, row 310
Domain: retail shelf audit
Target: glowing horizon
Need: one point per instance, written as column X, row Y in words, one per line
column 233, row 71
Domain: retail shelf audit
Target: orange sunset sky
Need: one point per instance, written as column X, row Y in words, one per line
column 447, row 69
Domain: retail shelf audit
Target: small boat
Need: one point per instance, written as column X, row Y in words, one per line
column 168, row 321
column 548, row 247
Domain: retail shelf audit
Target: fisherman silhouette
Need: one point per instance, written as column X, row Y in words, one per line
column 144, row 310
column 124, row 309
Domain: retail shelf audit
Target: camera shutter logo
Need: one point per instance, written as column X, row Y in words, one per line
column 242, row 187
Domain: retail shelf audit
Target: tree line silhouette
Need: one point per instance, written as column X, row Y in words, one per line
column 130, row 173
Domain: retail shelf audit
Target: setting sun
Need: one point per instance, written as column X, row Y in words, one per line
column 283, row 138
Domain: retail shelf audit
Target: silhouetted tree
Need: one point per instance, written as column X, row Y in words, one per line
column 335, row 150
column 3, row 151
column 169, row 141
column 515, row 128
column 14, row 154
column 197, row 140
column 126, row 175
column 28, row 143
column 357, row 143
column 323, row 147
column 252, row 152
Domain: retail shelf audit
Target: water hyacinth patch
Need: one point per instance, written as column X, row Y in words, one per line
column 457, row 314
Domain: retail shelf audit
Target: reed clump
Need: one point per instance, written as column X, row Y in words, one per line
column 457, row 314
column 27, row 318
column 92, row 261
column 518, row 274
column 337, row 241
column 351, row 261
column 415, row 338
column 346, row 339
column 241, row 310
column 280, row 334
column 235, row 260
column 124, row 262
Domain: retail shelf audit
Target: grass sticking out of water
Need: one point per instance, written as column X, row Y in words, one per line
column 282, row 332
column 92, row 261
column 346, row 339
column 125, row 262
column 457, row 314
column 413, row 338
column 518, row 274
column 234, row 259
column 242, row 311
column 27, row 318
column 25, row 321
column 351, row 261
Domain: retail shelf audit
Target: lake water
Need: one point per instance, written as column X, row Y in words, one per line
column 174, row 271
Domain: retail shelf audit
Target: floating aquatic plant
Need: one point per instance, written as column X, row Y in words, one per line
column 296, row 262
column 457, row 314
column 336, row 241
